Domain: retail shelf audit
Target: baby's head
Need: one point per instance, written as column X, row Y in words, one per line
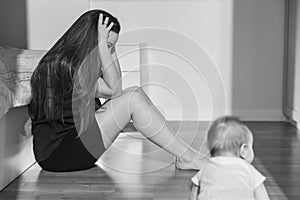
column 229, row 136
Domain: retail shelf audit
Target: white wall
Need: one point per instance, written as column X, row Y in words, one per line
column 220, row 56
column 48, row 20
column 244, row 40
column 292, row 107
column 199, row 28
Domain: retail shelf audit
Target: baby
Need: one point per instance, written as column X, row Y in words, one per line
column 229, row 175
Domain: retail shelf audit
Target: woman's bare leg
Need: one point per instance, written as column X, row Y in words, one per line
column 134, row 104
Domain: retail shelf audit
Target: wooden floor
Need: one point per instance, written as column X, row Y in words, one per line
column 133, row 168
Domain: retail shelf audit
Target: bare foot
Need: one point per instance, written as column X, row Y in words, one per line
column 195, row 164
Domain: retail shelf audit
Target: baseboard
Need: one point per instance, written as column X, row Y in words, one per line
column 293, row 116
column 243, row 114
column 260, row 115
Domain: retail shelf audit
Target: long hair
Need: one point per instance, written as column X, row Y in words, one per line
column 66, row 76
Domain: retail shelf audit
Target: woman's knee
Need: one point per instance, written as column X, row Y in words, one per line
column 137, row 95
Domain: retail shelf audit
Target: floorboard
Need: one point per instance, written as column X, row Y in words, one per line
column 134, row 168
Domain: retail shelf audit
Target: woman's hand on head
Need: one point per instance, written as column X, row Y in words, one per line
column 104, row 29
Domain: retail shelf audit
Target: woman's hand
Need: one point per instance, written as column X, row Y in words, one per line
column 103, row 29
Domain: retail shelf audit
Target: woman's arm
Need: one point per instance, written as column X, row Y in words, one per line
column 116, row 60
column 103, row 90
column 261, row 193
column 111, row 84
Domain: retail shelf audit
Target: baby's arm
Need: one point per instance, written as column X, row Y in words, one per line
column 261, row 193
column 195, row 192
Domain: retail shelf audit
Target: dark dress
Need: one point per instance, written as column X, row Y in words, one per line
column 57, row 148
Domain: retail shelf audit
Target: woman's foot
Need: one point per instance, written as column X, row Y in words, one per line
column 193, row 164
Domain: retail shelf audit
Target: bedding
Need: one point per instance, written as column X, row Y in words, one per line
column 16, row 68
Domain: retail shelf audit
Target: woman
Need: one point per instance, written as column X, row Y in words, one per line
column 81, row 67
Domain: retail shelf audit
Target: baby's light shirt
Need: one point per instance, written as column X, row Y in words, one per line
column 227, row 178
